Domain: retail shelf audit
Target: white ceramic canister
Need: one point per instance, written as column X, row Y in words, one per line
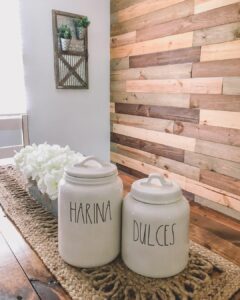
column 89, row 213
column 155, row 226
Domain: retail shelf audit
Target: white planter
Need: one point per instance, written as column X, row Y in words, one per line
column 81, row 31
column 65, row 43
column 89, row 213
column 155, row 226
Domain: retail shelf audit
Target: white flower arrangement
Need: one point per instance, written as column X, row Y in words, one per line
column 45, row 164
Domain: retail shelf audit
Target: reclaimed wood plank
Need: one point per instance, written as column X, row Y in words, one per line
column 231, row 85
column 223, row 182
column 156, row 72
column 219, row 118
column 207, row 19
column 215, row 134
column 215, row 35
column 158, row 161
column 163, row 138
column 143, row 122
column 211, row 85
column 179, row 56
column 153, row 111
column 188, row 184
column 112, row 107
column 141, row 8
column 178, row 41
column 119, row 63
column 215, row 102
column 175, row 100
column 176, row 11
column 205, row 5
column 121, row 4
column 206, row 162
column 118, row 86
column 228, row 67
column 227, row 50
column 10, row 270
column 226, row 152
column 123, row 39
column 154, row 148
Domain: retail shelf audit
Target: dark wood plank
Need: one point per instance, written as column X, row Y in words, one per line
column 154, row 111
column 225, row 15
column 215, row 134
column 13, row 282
column 158, row 149
column 42, row 280
column 228, row 67
column 178, row 56
column 220, row 181
column 215, row 102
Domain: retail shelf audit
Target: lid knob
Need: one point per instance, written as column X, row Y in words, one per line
column 88, row 158
column 153, row 176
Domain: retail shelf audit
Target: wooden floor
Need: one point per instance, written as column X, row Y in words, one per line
column 23, row 276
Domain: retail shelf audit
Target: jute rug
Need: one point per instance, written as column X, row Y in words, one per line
column 208, row 276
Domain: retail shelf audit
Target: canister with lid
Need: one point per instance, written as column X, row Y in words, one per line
column 155, row 225
column 89, row 218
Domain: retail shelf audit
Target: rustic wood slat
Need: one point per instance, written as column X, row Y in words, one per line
column 229, row 67
column 121, row 4
column 154, row 148
column 205, row 5
column 227, row 50
column 119, row 63
column 211, row 85
column 163, row 138
column 141, row 8
column 143, row 122
column 178, row 41
column 179, row 56
column 153, row 111
column 226, row 152
column 112, row 107
column 156, row 72
column 215, row 102
column 158, row 161
column 118, row 86
column 215, row 134
column 9, row 269
column 198, row 188
column 175, row 100
column 214, row 164
column 123, row 39
column 176, row 11
column 223, row 182
column 220, row 118
column 215, row 35
column 9, row 151
column 231, row 85
column 207, row 19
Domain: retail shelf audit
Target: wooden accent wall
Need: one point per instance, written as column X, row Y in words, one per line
column 175, row 94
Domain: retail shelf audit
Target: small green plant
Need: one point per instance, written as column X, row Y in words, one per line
column 64, row 32
column 83, row 22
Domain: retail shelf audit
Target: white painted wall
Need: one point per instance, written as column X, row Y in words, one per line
column 79, row 118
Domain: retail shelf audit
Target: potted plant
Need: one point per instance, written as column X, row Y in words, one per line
column 81, row 26
column 65, row 36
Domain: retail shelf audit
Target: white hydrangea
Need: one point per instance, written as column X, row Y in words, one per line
column 45, row 164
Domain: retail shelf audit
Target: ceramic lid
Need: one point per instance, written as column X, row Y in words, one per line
column 156, row 190
column 91, row 167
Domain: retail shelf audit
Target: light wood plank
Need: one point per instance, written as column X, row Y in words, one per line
column 112, row 107
column 220, row 118
column 157, row 72
column 117, row 5
column 231, row 85
column 141, row 8
column 226, row 152
column 210, row 163
column 143, row 122
column 158, row 161
column 162, row 44
column 194, row 85
column 123, row 39
column 205, row 5
column 118, row 86
column 215, row 35
column 163, row 138
column 227, row 50
column 119, row 63
column 9, row 151
column 175, row 100
column 198, row 188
